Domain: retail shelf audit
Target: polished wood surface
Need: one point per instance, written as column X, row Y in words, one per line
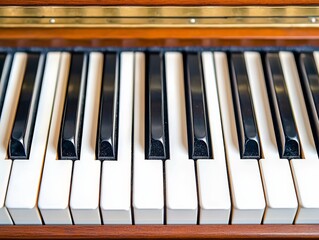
column 134, row 37
column 161, row 232
column 159, row 2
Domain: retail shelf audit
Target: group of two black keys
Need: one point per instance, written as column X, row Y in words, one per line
column 156, row 119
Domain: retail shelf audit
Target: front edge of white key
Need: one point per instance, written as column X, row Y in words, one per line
column 181, row 189
column 54, row 193
column 305, row 171
column 115, row 201
column 213, row 186
column 279, row 191
column 26, row 174
column 248, row 201
column 6, row 123
column 276, row 175
column 148, row 189
column 85, row 187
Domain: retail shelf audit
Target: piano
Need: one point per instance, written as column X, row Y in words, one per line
column 120, row 120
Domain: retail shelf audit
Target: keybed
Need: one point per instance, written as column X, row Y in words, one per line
column 159, row 137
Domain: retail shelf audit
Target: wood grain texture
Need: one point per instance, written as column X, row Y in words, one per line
column 158, row 2
column 161, row 232
column 137, row 37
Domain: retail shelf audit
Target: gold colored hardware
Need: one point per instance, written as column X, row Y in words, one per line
column 159, row 17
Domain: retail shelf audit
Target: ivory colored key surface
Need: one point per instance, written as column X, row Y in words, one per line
column 281, row 201
column 25, row 176
column 56, row 178
column 248, row 201
column 305, row 171
column 85, row 187
column 148, row 190
column 181, row 189
column 6, row 123
column 213, row 190
column 115, row 200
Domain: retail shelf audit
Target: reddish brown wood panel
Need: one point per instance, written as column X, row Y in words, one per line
column 137, row 37
column 161, row 232
column 158, row 2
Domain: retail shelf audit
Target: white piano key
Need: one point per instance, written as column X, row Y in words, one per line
column 181, row 189
column 305, row 171
column 56, row 178
column 248, row 201
column 25, row 176
column 278, row 184
column 6, row 124
column 115, row 201
column 213, row 190
column 85, row 186
column 148, row 190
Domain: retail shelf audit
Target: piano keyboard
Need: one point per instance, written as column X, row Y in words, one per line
column 159, row 138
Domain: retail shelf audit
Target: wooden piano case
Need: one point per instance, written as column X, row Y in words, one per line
column 159, row 23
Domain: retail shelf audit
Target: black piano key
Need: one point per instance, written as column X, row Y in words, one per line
column 71, row 128
column 285, row 128
column 310, row 83
column 5, row 65
column 107, row 135
column 198, row 133
column 23, row 126
column 3, row 57
column 156, row 139
column 244, row 111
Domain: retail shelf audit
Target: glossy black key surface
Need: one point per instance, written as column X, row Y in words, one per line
column 244, row 111
column 107, row 135
column 22, row 131
column 310, row 82
column 5, row 65
column 3, row 57
column 285, row 128
column 71, row 128
column 156, row 134
column 197, row 120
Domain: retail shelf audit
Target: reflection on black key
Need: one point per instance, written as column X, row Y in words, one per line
column 22, row 131
column 107, row 145
column 5, row 65
column 286, row 133
column 310, row 83
column 156, row 134
column 71, row 128
column 244, row 110
column 198, row 134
